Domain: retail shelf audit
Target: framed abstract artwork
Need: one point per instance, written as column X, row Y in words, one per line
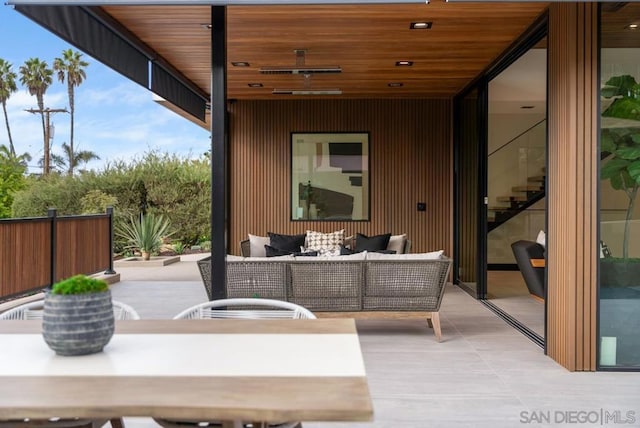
column 330, row 176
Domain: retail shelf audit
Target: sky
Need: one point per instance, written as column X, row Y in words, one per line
column 114, row 117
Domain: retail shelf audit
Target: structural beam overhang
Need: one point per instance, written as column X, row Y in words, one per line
column 95, row 32
column 205, row 2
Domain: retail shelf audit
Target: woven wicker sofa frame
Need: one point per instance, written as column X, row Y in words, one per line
column 350, row 288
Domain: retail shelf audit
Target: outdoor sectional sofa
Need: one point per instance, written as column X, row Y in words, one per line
column 350, row 284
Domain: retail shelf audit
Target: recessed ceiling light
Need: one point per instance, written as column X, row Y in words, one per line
column 422, row 25
column 240, row 64
column 206, row 26
column 395, row 84
column 527, row 107
column 404, row 63
column 632, row 27
column 255, row 85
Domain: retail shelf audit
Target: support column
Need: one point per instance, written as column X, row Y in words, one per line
column 572, row 187
column 219, row 148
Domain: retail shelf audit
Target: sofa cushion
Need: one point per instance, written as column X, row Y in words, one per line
column 275, row 252
column 397, row 243
column 256, row 245
column 290, row 243
column 344, row 251
column 417, row 256
column 372, row 243
column 325, row 243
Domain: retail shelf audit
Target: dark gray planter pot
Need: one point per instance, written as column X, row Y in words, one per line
column 77, row 324
column 619, row 274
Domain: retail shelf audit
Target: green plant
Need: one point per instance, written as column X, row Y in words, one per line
column 144, row 233
column 79, row 284
column 621, row 145
column 178, row 247
column 97, row 201
column 205, row 246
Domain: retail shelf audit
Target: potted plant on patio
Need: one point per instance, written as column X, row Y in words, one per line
column 620, row 147
column 144, row 234
column 78, row 316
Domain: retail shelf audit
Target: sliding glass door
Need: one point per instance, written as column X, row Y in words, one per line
column 470, row 256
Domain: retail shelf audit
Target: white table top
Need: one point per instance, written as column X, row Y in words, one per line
column 196, row 369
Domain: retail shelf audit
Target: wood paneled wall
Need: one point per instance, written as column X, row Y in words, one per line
column 572, row 185
column 411, row 161
column 82, row 245
column 25, row 255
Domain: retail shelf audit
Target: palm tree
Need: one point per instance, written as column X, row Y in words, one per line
column 6, row 156
column 7, row 87
column 36, row 76
column 71, row 67
column 70, row 159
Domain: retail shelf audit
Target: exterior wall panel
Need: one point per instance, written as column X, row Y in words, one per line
column 411, row 161
column 572, row 186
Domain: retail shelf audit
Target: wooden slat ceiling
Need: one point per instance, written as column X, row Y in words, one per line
column 615, row 22
column 364, row 40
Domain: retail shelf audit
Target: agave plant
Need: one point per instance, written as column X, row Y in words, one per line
column 144, row 233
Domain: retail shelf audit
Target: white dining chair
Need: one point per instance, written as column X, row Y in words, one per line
column 259, row 309
column 240, row 309
column 33, row 311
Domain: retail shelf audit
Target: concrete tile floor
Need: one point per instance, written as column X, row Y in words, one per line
column 483, row 374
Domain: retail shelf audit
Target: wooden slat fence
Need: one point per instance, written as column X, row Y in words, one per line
column 36, row 252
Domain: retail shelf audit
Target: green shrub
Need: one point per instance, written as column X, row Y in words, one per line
column 79, row 284
column 160, row 184
column 96, row 202
column 205, row 246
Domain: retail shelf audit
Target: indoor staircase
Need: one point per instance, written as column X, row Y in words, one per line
column 521, row 198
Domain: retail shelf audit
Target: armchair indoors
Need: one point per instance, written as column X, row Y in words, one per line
column 534, row 277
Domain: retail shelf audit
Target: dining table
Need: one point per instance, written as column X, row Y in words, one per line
column 226, row 370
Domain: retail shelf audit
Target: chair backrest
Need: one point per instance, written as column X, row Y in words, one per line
column 534, row 277
column 259, row 309
column 245, row 248
column 27, row 311
column 122, row 311
column 33, row 311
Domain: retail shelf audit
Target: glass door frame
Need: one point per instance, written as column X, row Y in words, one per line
column 536, row 32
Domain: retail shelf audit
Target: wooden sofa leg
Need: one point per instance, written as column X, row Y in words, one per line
column 435, row 321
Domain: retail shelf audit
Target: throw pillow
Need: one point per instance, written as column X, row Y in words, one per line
column 256, row 245
column 325, row 243
column 397, row 243
column 291, row 243
column 372, row 243
column 542, row 238
column 275, row 252
column 344, row 251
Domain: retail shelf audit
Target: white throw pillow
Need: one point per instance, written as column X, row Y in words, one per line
column 234, row 258
column 256, row 245
column 397, row 242
column 542, row 238
column 325, row 243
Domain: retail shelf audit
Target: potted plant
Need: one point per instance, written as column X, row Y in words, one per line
column 144, row 234
column 620, row 146
column 78, row 316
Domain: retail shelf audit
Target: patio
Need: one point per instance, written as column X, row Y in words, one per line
column 483, row 374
